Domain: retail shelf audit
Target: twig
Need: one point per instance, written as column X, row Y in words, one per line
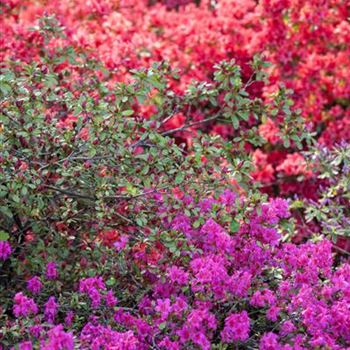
column 250, row 81
column 137, row 195
column 70, row 194
column 124, row 218
column 341, row 250
column 169, row 117
column 169, row 132
column 93, row 198
column 155, row 346
column 59, row 161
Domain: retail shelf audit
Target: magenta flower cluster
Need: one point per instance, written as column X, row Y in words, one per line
column 236, row 327
column 242, row 287
column 5, row 250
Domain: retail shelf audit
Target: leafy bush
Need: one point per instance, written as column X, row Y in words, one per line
column 308, row 44
column 117, row 236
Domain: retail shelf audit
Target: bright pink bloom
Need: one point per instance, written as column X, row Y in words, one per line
column 24, row 306
column 34, row 285
column 236, row 327
column 5, row 250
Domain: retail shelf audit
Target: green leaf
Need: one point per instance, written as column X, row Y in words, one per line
column 179, row 178
column 162, row 326
column 111, row 282
column 15, row 198
column 127, row 113
column 234, row 227
column 5, row 88
column 156, row 83
column 139, row 222
column 6, row 211
column 286, row 143
column 235, row 122
column 196, row 224
column 24, row 191
column 145, row 170
column 4, row 236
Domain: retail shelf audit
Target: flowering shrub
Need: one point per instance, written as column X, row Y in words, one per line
column 215, row 282
column 130, row 218
column 308, row 44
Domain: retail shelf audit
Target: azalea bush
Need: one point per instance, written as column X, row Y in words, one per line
column 122, row 228
column 307, row 42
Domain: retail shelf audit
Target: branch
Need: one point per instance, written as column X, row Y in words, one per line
column 137, row 195
column 169, row 116
column 93, row 198
column 341, row 250
column 71, row 194
column 182, row 128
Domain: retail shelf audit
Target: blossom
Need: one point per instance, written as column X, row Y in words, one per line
column 215, row 236
column 68, row 320
column 264, row 171
column 36, row 330
column 269, row 341
column 198, row 322
column 180, row 305
column 84, row 133
column 86, row 284
column 109, row 237
column 236, row 327
column 280, row 207
column 206, row 204
column 240, row 283
column 50, row 309
column 24, row 306
column 181, row 223
column 177, row 275
column 294, row 164
column 92, row 287
column 26, row 345
column 34, row 285
column 122, row 242
column 209, row 272
column 67, row 122
column 95, row 297
column 97, row 336
column 58, row 339
column 262, row 298
column 167, row 344
column 163, row 307
column 228, row 197
column 272, row 313
column 111, row 300
column 270, row 131
column 51, row 270
column 287, row 327
column 5, row 250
